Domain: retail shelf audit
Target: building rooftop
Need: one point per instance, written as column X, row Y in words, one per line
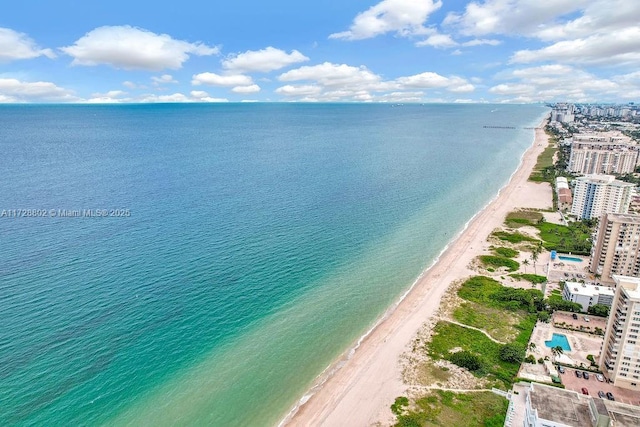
column 563, row 406
column 588, row 290
column 631, row 285
column 628, row 218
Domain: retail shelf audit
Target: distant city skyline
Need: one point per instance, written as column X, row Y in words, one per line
column 516, row 51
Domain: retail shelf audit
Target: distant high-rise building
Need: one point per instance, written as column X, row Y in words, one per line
column 603, row 153
column 616, row 250
column 620, row 357
column 594, row 195
column 563, row 113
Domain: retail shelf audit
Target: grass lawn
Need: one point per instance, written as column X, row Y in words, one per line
column 496, row 322
column 448, row 336
column 545, row 161
column 499, row 261
column 505, row 252
column 574, row 238
column 514, row 237
column 446, row 408
column 520, row 218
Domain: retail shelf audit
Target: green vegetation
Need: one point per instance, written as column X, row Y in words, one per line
column 591, row 359
column 533, row 278
column 467, row 360
column 599, row 310
column 513, row 353
column 544, row 316
column 574, row 238
column 544, row 169
column 530, row 359
column 506, row 252
column 497, row 323
column 446, row 408
column 489, row 292
column 562, row 305
column 398, row 406
column 524, row 217
column 514, row 237
column 498, row 261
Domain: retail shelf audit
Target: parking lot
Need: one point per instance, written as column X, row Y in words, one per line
column 571, row 382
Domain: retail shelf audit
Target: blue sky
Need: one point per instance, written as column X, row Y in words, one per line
column 325, row 50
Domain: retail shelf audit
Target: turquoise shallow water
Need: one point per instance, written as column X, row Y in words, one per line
column 558, row 340
column 262, row 240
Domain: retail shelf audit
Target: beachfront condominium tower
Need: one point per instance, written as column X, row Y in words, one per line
column 594, row 195
column 616, row 251
column 620, row 356
column 602, row 153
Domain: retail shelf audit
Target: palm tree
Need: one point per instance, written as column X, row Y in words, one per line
column 557, row 351
column 525, row 263
column 532, row 346
column 534, row 258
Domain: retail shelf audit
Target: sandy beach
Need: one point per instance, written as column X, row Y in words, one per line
column 361, row 392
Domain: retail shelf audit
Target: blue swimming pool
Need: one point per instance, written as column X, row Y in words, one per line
column 558, row 340
column 569, row 258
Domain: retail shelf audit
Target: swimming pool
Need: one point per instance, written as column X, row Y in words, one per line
column 569, row 258
column 558, row 340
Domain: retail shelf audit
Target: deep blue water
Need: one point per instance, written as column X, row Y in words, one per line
column 258, row 242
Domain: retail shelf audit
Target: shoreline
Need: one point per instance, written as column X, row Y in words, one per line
column 358, row 387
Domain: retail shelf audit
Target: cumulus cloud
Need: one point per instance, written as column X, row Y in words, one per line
column 214, row 79
column 330, row 75
column 558, row 82
column 163, row 79
column 14, row 45
column 202, row 96
column 403, row 17
column 246, row 89
column 430, row 80
column 14, row 90
column 619, row 47
column 438, row 41
column 524, row 17
column 265, row 60
column 299, row 90
column 133, row 48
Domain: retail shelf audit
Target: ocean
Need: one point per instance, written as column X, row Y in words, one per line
column 204, row 264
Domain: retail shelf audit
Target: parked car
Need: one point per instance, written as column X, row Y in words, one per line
column 578, row 374
column 599, row 377
column 561, row 369
column 575, row 316
column 601, row 394
column 585, row 391
column 610, row 396
column 586, row 318
column 585, row 375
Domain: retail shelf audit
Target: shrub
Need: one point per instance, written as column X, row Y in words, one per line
column 506, row 252
column 591, row 359
column 599, row 310
column 513, row 353
column 533, row 278
column 543, row 316
column 467, row 360
column 398, row 406
column 530, row 359
column 498, row 261
column 541, row 360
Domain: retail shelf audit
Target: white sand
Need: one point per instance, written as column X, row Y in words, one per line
column 361, row 392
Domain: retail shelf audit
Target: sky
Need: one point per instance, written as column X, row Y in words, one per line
column 400, row 51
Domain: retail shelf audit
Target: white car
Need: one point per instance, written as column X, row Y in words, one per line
column 599, row 377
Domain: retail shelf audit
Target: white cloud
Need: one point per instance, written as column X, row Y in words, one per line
column 128, row 84
column 403, row 17
column 163, row 79
column 14, row 45
column 430, row 80
column 331, row 75
column 264, row 60
column 300, row 90
column 618, row 47
column 524, row 17
column 133, row 49
column 560, row 82
column 202, row 96
column 438, row 41
column 14, row 90
column 246, row 89
column 479, row 42
column 214, row 79
column 173, row 98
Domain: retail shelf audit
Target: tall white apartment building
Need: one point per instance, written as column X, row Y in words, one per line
column 620, row 357
column 616, row 250
column 594, row 195
column 603, row 153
